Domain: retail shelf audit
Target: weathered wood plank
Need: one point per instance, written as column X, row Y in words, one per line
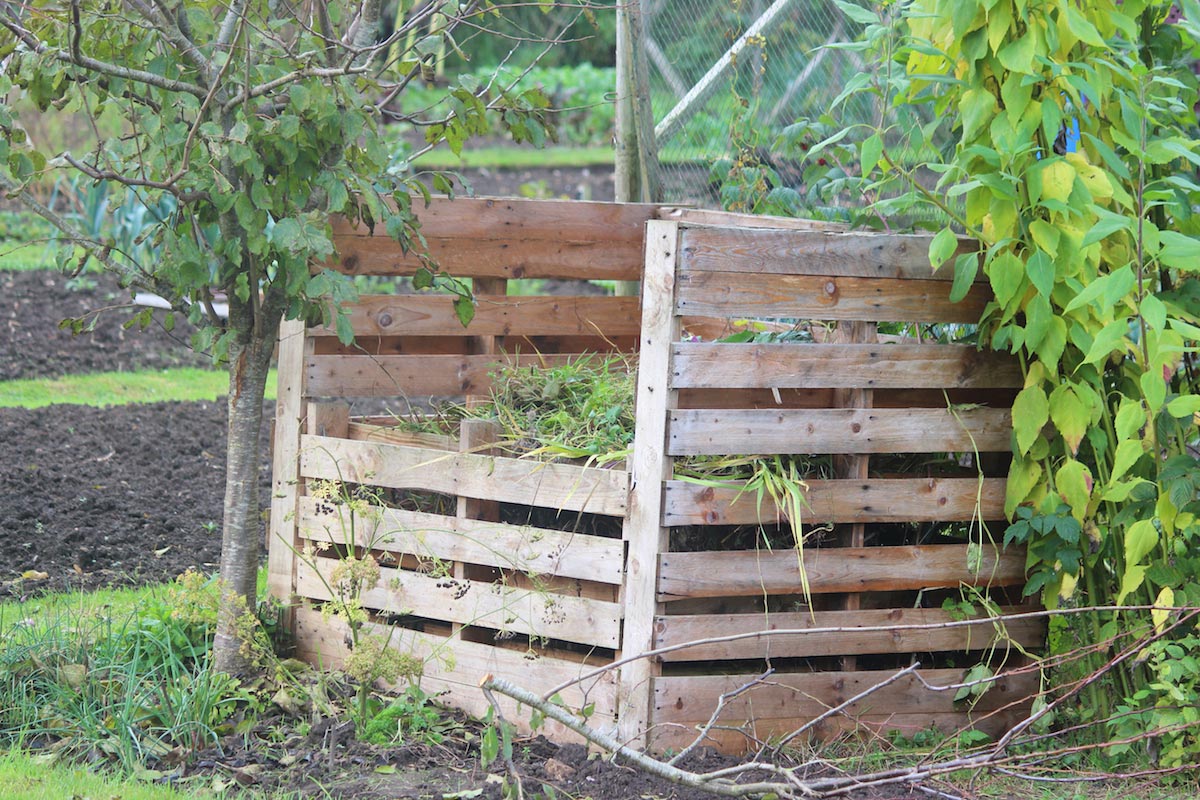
column 823, row 398
column 812, row 252
column 741, row 573
column 509, row 480
column 690, row 699
column 508, row 238
column 389, row 376
column 815, row 297
column 434, row 315
column 491, row 605
column 453, row 668
column 650, row 466
column 850, row 366
column 835, row 430
column 824, row 633
column 386, row 433
column 539, row 551
column 285, row 484
column 839, row 501
column 691, row 217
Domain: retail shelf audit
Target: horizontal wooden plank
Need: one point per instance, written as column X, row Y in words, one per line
column 387, row 433
column 842, row 501
column 434, row 315
column 824, row 398
column 537, row 551
column 507, row 480
column 742, row 573
column 481, row 603
column 509, row 238
column 690, row 699
column 838, row 633
column 738, row 740
column 838, row 430
column 414, row 376
column 812, row 252
column 739, row 294
column 688, row 217
column 454, row 668
column 840, row 366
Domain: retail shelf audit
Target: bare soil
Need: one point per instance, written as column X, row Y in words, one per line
column 133, row 495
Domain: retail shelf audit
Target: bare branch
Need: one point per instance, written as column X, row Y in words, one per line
column 169, row 29
column 229, row 25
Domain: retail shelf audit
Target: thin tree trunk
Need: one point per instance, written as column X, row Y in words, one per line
column 248, row 368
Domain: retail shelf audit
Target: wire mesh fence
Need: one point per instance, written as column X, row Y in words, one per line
column 727, row 76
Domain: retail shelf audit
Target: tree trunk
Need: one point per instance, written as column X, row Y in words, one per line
column 248, row 367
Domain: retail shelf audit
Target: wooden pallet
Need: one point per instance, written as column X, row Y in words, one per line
column 498, row 577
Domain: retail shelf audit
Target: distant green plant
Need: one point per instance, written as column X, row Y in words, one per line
column 410, row 718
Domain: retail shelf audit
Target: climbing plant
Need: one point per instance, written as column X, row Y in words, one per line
column 1068, row 155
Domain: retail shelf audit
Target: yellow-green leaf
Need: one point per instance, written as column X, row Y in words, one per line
column 1160, row 613
column 1030, row 412
column 1131, row 581
column 1023, row 477
column 1128, row 453
column 1070, row 415
column 1073, row 482
column 1140, row 541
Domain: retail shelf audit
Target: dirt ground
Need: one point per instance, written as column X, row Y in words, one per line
column 133, row 495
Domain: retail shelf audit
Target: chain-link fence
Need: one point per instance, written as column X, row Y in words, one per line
column 727, row 76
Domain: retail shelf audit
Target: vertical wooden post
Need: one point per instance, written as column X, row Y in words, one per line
column 636, row 165
column 474, row 435
column 485, row 345
column 854, row 467
column 645, row 537
column 285, row 467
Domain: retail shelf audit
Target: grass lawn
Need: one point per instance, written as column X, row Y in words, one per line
column 116, row 388
column 30, row 777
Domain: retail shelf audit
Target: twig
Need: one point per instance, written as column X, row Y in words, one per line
column 722, row 701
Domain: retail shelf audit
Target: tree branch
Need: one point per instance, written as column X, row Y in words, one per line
column 168, row 28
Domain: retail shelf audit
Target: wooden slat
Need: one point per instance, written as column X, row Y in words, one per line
column 506, row 238
column 507, row 480
column 702, row 216
column 538, row 551
column 389, row 434
column 285, row 484
column 801, row 696
column 491, row 605
column 742, row 573
column 840, row 501
column 868, row 366
column 388, row 376
column 453, row 669
column 815, row 297
column 433, row 315
column 812, row 252
column 650, row 466
column 834, row 430
column 871, row 631
column 823, row 398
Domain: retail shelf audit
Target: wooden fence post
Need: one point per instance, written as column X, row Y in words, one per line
column 644, row 534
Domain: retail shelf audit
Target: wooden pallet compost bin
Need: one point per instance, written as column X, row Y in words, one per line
column 540, row 572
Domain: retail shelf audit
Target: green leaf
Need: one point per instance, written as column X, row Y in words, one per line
column 1112, row 339
column 1154, row 389
column 1128, row 453
column 1179, row 251
column 1018, row 54
column 1024, row 476
column 1123, row 278
column 1079, row 25
column 345, row 329
column 1184, row 407
column 1040, row 268
column 870, row 152
column 1131, row 581
column 1030, row 413
column 1154, row 312
column 1140, row 541
column 976, row 109
column 1069, row 415
column 1107, row 223
column 464, row 309
column 966, row 268
column 1130, row 418
column 942, row 247
column 855, row 13
column 1007, row 275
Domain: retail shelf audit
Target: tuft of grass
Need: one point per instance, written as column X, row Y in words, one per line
column 26, row 776
column 119, row 388
column 516, row 158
